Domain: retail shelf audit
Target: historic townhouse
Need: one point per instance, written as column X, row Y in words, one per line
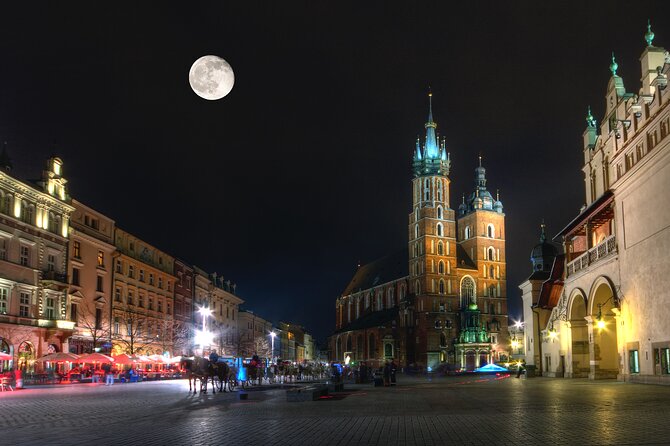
column 183, row 307
column 143, row 302
column 34, row 229
column 217, row 295
column 254, row 332
column 603, row 311
column 450, row 307
column 90, row 265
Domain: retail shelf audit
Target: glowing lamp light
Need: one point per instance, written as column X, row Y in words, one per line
column 553, row 334
column 205, row 311
column 600, row 324
column 204, row 337
column 515, row 344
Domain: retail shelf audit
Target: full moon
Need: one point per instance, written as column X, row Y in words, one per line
column 211, row 77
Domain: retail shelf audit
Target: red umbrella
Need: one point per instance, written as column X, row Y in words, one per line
column 58, row 357
column 92, row 358
column 123, row 359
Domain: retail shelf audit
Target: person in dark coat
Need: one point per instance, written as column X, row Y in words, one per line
column 387, row 374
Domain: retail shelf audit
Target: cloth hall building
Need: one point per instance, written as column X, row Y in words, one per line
column 599, row 308
column 443, row 301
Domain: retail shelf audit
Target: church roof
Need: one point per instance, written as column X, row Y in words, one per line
column 463, row 260
column 387, row 269
column 370, row 320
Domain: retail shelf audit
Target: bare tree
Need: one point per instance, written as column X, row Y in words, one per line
column 262, row 347
column 92, row 321
column 134, row 332
column 182, row 337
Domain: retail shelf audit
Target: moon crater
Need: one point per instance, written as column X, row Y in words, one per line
column 211, row 77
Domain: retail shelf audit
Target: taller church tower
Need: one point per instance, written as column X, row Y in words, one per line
column 432, row 248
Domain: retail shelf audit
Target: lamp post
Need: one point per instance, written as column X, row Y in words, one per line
column 205, row 312
column 272, row 337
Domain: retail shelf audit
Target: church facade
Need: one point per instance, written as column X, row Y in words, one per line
column 600, row 311
column 443, row 301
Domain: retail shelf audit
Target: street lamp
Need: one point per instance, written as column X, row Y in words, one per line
column 272, row 355
column 204, row 337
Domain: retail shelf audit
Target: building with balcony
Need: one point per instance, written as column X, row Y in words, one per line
column 143, row 297
column 603, row 311
column 91, row 252
column 34, row 233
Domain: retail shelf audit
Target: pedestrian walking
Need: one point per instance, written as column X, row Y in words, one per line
column 109, row 374
column 387, row 374
column 521, row 368
column 393, row 370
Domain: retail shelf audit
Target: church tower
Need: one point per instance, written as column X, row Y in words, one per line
column 481, row 235
column 432, row 248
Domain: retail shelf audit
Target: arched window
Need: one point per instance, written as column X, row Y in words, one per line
column 441, row 286
column 439, row 229
column 467, row 291
column 391, row 298
column 490, row 231
column 439, row 212
column 492, row 291
column 492, row 272
column 416, row 231
column 402, row 292
column 417, row 287
column 416, row 214
column 492, row 254
column 440, row 248
column 439, row 191
column 466, row 233
column 27, row 212
column 426, row 190
column 440, row 267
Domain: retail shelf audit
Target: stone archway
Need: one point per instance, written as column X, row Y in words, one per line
column 603, row 329
column 578, row 363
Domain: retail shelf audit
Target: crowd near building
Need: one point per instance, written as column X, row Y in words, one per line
column 72, row 281
column 442, row 302
column 596, row 306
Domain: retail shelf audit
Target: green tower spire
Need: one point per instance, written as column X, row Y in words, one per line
column 613, row 66
column 649, row 35
column 590, row 120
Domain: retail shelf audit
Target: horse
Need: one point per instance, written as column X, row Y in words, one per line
column 198, row 368
column 224, row 373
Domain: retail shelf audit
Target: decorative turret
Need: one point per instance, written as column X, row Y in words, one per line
column 649, row 35
column 543, row 254
column 591, row 132
column 431, row 158
column 480, row 198
column 618, row 81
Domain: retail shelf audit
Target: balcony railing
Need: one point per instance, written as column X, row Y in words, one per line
column 600, row 251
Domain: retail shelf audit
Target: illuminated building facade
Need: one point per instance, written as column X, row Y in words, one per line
column 217, row 294
column 90, row 264
column 603, row 312
column 254, row 332
column 450, row 308
column 183, row 307
column 143, row 297
column 34, row 232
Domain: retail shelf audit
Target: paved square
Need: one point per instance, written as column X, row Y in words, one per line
column 418, row 411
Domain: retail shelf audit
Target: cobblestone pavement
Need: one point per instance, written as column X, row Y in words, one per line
column 418, row 411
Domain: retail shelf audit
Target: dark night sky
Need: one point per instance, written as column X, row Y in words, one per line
column 304, row 168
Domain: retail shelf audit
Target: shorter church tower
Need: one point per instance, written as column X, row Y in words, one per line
column 482, row 273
